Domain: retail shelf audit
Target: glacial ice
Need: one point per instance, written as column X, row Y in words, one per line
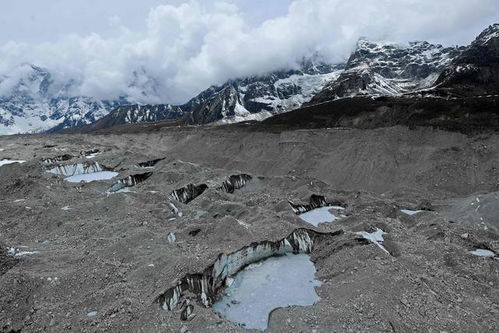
column 7, row 161
column 264, row 286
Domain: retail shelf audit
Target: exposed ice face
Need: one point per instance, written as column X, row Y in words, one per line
column 410, row 212
column 483, row 253
column 320, row 215
column 262, row 287
column 90, row 177
column 188, row 193
column 130, row 181
column 7, row 161
column 315, row 201
column 76, row 169
column 235, row 182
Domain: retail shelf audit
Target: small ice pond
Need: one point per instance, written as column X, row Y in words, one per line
column 7, row 161
column 262, row 287
column 321, row 215
column 483, row 253
column 410, row 212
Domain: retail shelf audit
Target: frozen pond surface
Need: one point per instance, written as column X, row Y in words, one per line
column 6, row 161
column 90, row 177
column 262, row 287
column 320, row 215
column 483, row 253
column 410, row 212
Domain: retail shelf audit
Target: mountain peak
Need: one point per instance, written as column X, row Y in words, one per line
column 492, row 32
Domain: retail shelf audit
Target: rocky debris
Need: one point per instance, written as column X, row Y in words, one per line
column 188, row 193
column 102, row 250
column 56, row 159
column 235, row 182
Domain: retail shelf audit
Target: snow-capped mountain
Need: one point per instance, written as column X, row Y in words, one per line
column 253, row 98
column 32, row 101
column 385, row 69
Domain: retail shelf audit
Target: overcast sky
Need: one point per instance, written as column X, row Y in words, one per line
column 185, row 46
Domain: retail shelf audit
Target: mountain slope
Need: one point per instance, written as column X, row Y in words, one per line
column 32, row 101
column 476, row 70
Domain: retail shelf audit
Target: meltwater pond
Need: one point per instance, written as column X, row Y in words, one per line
column 320, row 215
column 262, row 287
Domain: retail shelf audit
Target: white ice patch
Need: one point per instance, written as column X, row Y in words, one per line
column 7, row 161
column 483, row 253
column 262, row 287
column 171, row 237
column 320, row 215
column 94, row 155
column 19, row 253
column 410, row 212
column 90, row 177
column 374, row 237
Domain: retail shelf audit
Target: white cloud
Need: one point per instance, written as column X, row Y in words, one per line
column 190, row 46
